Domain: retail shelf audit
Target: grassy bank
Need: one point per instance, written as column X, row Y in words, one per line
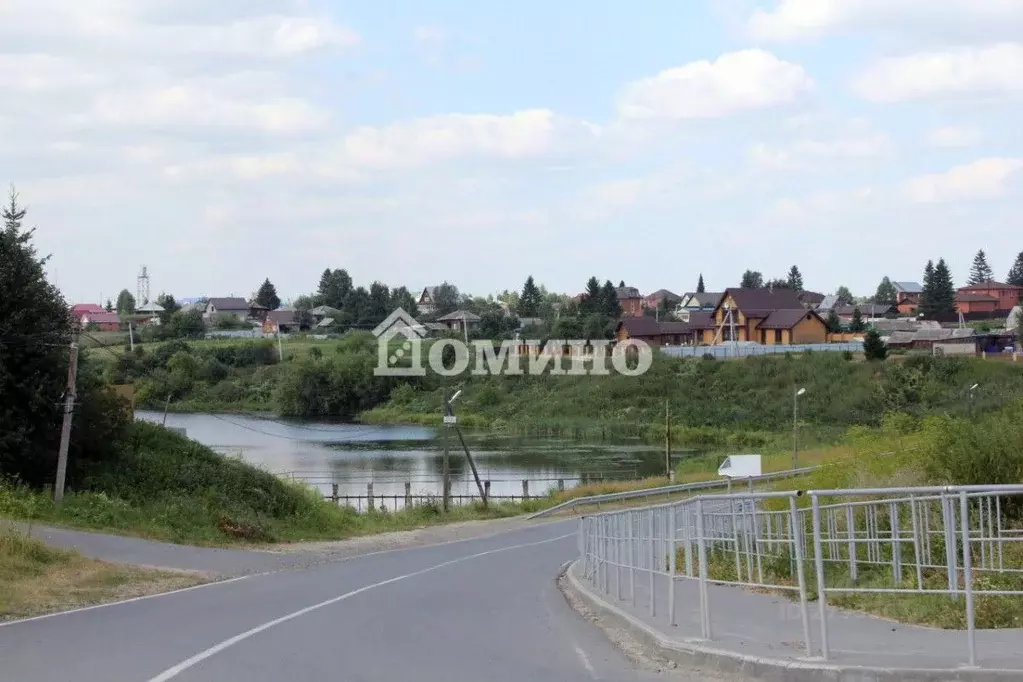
column 726, row 405
column 37, row 579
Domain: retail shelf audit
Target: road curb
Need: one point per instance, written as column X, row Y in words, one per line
column 762, row 668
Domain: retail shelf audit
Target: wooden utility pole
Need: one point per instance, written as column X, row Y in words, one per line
column 70, row 396
column 667, row 441
column 472, row 465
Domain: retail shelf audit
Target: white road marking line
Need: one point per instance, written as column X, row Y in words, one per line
column 128, row 601
column 586, row 661
column 173, row 672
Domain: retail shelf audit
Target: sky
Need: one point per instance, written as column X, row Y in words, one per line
column 220, row 143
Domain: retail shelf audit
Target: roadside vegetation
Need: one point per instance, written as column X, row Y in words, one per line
column 36, row 579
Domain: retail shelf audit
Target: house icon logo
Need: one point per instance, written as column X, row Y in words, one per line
column 391, row 354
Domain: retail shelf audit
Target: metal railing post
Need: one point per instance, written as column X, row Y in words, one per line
column 671, row 565
column 800, row 573
column 818, row 557
column 971, row 632
column 653, row 549
column 850, row 528
column 702, row 551
column 633, row 554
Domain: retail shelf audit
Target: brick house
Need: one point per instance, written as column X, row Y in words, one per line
column 669, row 299
column 988, row 296
column 767, row 316
column 102, row 320
column 630, row 301
column 907, row 297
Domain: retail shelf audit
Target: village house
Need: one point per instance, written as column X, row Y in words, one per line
column 662, row 297
column 907, row 297
column 256, row 311
column 687, row 332
column 694, row 301
column 630, row 301
column 283, row 321
column 460, row 321
column 80, row 309
column 427, row 303
column 988, row 297
column 868, row 311
column 219, row 308
column 101, row 321
column 766, row 316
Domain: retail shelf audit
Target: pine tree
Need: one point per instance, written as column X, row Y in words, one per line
column 886, row 294
column 873, row 346
column 943, row 293
column 980, row 271
column 109, row 307
column 267, row 295
column 700, row 289
column 857, row 324
column 529, row 300
column 927, row 291
column 1016, row 273
column 795, row 279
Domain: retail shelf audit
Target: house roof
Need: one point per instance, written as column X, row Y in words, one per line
column 884, row 325
column 967, row 297
column 787, row 319
column 461, row 315
column 908, row 287
column 811, row 297
column 699, row 319
column 662, row 293
column 229, row 303
column 638, row 327
column 628, row 292
column 867, row 309
column 828, row 303
column 324, row 310
column 326, row 322
column 931, row 334
column 989, row 285
column 762, row 302
column 102, row 317
column 255, row 305
column 80, row 309
column 281, row 316
column 149, row 308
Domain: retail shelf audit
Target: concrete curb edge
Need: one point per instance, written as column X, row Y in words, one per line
column 762, row 668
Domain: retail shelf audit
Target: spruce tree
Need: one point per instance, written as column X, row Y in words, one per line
column 833, row 323
column 593, row 299
column 795, row 279
column 857, row 324
column 267, row 295
column 873, row 346
column 943, row 293
column 927, row 292
column 610, row 305
column 980, row 271
column 1016, row 273
column 701, row 289
column 529, row 300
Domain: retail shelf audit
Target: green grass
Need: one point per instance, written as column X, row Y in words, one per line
column 35, row 578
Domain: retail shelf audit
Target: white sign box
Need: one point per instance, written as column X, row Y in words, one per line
column 740, row 466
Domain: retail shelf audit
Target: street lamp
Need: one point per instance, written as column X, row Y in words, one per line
column 448, row 419
column 795, row 427
column 972, row 389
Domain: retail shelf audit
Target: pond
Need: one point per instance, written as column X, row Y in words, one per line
column 353, row 455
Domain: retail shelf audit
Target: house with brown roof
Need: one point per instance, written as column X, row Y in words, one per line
column 630, row 301
column 231, row 306
column 767, row 316
column 690, row 331
column 988, row 297
column 662, row 297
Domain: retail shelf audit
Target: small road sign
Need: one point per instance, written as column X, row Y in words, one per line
column 450, row 419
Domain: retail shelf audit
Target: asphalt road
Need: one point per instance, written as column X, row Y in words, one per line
column 481, row 609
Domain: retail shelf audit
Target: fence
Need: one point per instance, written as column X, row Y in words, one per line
column 744, row 350
column 952, row 541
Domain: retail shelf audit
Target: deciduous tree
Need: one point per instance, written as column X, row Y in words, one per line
column 844, row 296
column 751, row 279
column 886, row 294
column 125, row 303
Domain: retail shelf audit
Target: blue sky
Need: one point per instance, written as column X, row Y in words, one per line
column 409, row 142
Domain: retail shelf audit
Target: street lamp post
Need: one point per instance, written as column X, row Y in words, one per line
column 972, row 389
column 449, row 417
column 795, row 427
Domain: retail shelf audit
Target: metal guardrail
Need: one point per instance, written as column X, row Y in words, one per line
column 669, row 490
column 953, row 541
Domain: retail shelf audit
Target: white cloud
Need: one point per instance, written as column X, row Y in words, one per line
column 195, row 106
column 734, row 82
column 953, row 136
column 994, row 69
column 429, row 35
column 808, row 154
column 810, row 19
column 532, row 133
column 813, row 206
column 982, row 179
